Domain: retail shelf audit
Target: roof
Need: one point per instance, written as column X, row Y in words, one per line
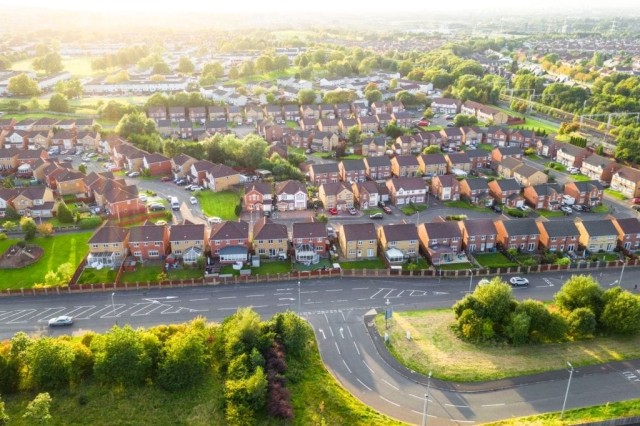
column 547, row 189
column 509, row 150
column 155, row 158
column 109, row 234
column 587, row 186
column 479, row 226
column 406, row 160
column 526, row 226
column 477, row 184
column 629, row 173
column 446, row 101
column 446, row 229
column 598, row 160
column 230, row 230
column 187, row 231
column 400, row 232
column 599, row 228
column 353, row 165
column 526, row 170
column 458, row 157
column 359, row 231
column 334, row 188
column 382, row 161
column 181, row 159
column 446, row 180
column 560, row 228
column 408, row 183
column 433, row 159
column 265, row 229
column 309, row 230
column 324, row 168
column 367, row 186
column 290, row 187
column 477, row 153
column 147, row 232
column 260, row 187
column 571, row 149
column 508, row 184
column 630, row 225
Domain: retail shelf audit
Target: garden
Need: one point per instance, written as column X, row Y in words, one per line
column 224, row 204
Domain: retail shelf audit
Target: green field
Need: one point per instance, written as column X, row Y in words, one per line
column 435, row 347
column 80, row 66
column 530, row 123
column 413, row 209
column 58, row 249
column 221, row 204
column 461, row 204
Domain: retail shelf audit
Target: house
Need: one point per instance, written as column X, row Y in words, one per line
column 479, row 158
column 598, row 167
column 499, row 154
column 234, row 114
column 378, row 107
column 433, row 164
column 405, row 145
column 478, row 235
column 327, row 111
column 113, row 195
column 445, row 187
column 384, row 119
column 229, row 241
column 476, row 191
column 291, row 195
column 15, row 139
column 34, row 201
column 157, row 113
column 216, row 126
column 405, row 166
column 399, row 241
column 626, row 180
column 558, row 235
column 445, row 106
column 310, row 241
column 346, row 123
column 358, row 241
column 188, row 241
column 368, row 124
column 9, row 159
column 336, row 195
column 108, row 247
column 359, row 108
column 497, row 136
column 527, row 175
column 307, row 111
column 407, row 190
column 42, row 140
column 343, row 110
column 273, row 112
column 353, row 170
column 471, row 135
column 452, row 135
column 156, row 164
column 547, row 148
column 402, row 118
column 521, row 234
column 258, row 197
column 324, row 173
column 308, row 123
column 597, row 235
column 70, row 182
column 395, row 107
column 88, row 140
column 458, row 161
column 571, row 156
column 507, row 192
column 217, row 112
column 291, row 112
column 429, row 138
column 330, row 125
column 270, row 239
column 485, row 113
column 366, row 194
column 522, row 138
column 588, row 193
column 507, row 167
column 181, row 165
column 6, row 196
column 324, row 141
column 374, row 147
column 221, row 177
column 628, row 233
column 441, row 241
column 64, row 139
column 378, row 168
column 197, row 114
column 185, row 129
column 177, row 113
column 546, row 196
column 44, row 124
column 253, row 113
column 149, row 241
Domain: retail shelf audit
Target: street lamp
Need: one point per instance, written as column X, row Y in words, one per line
column 470, row 279
column 386, row 315
column 113, row 307
column 426, row 402
column 621, row 272
column 298, row 297
column 567, row 392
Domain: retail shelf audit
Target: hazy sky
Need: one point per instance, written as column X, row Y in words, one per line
column 338, row 6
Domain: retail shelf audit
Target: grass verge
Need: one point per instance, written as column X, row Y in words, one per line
column 456, row 266
column 461, row 204
column 550, row 213
column 615, row 194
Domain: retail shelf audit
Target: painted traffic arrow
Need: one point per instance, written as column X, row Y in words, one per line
column 323, row 335
column 546, row 280
column 342, row 332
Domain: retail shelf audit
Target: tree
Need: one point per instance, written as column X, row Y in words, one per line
column 185, row 65
column 339, row 96
column 50, row 362
column 51, row 63
column 45, row 229
column 119, row 77
column 135, row 123
column 71, row 88
column 185, row 362
column 160, row 67
column 28, row 226
column 306, row 96
column 354, row 135
column 64, row 214
column 621, row 313
column 113, row 110
column 4, row 417
column 293, row 333
column 428, row 113
column 581, row 323
column 120, row 357
column 82, row 169
column 38, row 409
column 373, row 96
column 247, row 69
column 462, row 120
column 22, row 85
column 431, row 149
column 11, row 214
column 234, row 73
column 393, row 130
column 58, row 103
column 580, row 291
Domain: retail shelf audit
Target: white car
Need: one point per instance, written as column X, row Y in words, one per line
column 519, row 282
column 193, row 200
column 143, row 198
column 134, row 174
column 573, row 170
column 62, row 320
column 214, row 219
column 566, row 209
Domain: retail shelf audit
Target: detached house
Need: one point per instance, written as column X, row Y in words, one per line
column 627, row 181
column 598, row 167
column 270, row 239
column 441, row 241
column 522, row 138
column 156, row 164
column 556, row 235
column 221, row 177
column 589, row 193
column 149, row 241
column 521, row 234
column 324, row 173
column 108, row 246
column 597, row 235
column 407, row 190
column 336, row 195
column 445, row 187
column 181, row 165
column 257, row 197
column 291, row 195
column 229, row 241
column 405, row 166
column 358, row 241
column 476, row 191
column 309, row 241
column 188, row 241
column 378, row 168
column 571, row 156
column 366, row 194
column 353, row 170
column 399, row 241
column 507, row 192
column 478, row 235
column 546, row 196
column 34, row 202
column 628, row 233
column 432, row 164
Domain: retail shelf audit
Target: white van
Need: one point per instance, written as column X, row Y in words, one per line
column 175, row 204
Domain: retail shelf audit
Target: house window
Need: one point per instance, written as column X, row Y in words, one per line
column 434, row 241
column 153, row 253
column 115, row 244
column 411, row 251
column 105, row 245
column 146, row 244
column 352, row 252
column 454, row 239
column 270, row 241
column 95, row 246
column 177, row 251
column 136, row 244
column 360, row 242
column 137, row 253
column 319, row 239
column 279, row 241
column 319, row 248
column 513, row 238
column 392, row 243
column 372, row 241
column 472, row 238
column 484, row 237
column 217, row 242
column 553, row 239
column 261, row 251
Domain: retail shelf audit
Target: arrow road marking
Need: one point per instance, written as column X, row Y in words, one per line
column 546, row 280
column 342, row 332
column 322, row 332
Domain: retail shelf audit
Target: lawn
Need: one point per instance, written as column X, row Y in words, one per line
column 580, row 178
column 550, row 213
column 604, row 257
column 555, row 166
column 456, row 266
column 493, row 260
column 529, row 122
column 460, row 204
column 275, row 267
column 486, row 146
column 435, row 347
column 95, row 276
column 419, row 262
column 413, row 208
column 58, row 249
column 376, row 263
column 602, row 208
column 221, row 204
column 290, row 124
column 615, row 194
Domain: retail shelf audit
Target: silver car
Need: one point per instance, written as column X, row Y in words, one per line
column 61, row 320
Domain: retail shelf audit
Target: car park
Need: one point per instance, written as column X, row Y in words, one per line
column 376, row 216
column 60, row 321
column 519, row 282
column 193, row 200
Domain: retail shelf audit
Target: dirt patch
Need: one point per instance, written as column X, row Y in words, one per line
column 16, row 257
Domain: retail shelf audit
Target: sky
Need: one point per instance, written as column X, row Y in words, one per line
column 340, row 6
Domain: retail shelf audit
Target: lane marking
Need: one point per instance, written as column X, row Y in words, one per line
column 342, row 300
column 198, row 300
column 367, row 365
column 331, row 330
column 227, row 309
column 96, row 312
column 349, row 330
column 337, row 348
column 360, row 381
column 260, row 306
column 326, row 317
column 493, row 405
column 393, row 386
column 57, row 310
column 83, row 310
column 281, row 294
column 227, row 297
column 390, row 402
column 366, row 298
column 284, row 304
column 21, row 314
column 342, row 313
column 357, row 350
column 360, row 288
column 456, row 406
column 254, row 295
column 338, row 289
column 429, row 415
column 417, row 397
column 307, row 292
column 376, row 293
column 345, row 364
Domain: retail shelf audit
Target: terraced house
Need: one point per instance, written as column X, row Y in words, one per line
column 598, row 167
column 558, row 235
column 521, row 234
column 478, row 235
column 597, row 235
column 403, row 191
column 626, row 180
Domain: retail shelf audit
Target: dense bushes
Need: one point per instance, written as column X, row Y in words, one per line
column 90, row 222
column 582, row 310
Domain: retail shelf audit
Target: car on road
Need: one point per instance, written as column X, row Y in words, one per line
column 133, row 174
column 214, row 219
column 566, row 209
column 161, row 222
column 193, row 200
column 165, row 179
column 376, row 216
column 61, row 320
column 333, row 211
column 573, row 170
column 353, row 211
column 519, row 282
column 496, row 208
column 577, row 207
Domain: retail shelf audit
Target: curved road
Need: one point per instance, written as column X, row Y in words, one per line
column 336, row 310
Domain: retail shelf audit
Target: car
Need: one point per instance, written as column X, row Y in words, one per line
column 636, row 208
column 376, row 216
column 449, row 117
column 483, row 281
column 266, row 213
column 181, row 182
column 353, row 211
column 524, row 208
column 309, row 151
column 68, row 158
column 423, row 123
column 577, row 207
column 585, row 208
column 519, row 282
column 214, row 219
column 142, row 198
column 61, row 320
column 496, row 208
column 573, row 170
column 134, row 174
column 188, row 187
column 566, row 209
column 450, row 125
column 196, row 188
column 161, row 222
column 165, row 179
column 333, row 211
column 156, row 207
column 193, row 200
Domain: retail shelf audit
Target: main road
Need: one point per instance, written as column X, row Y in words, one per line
column 336, row 309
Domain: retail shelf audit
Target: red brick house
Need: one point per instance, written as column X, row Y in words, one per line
column 157, row 164
column 440, row 241
column 445, row 187
column 556, row 235
column 479, row 158
column 628, row 233
column 521, row 234
column 498, row 154
column 366, row 194
column 378, row 168
column 229, row 241
column 324, row 173
column 506, row 191
column 476, row 191
column 544, row 196
column 571, row 156
column 353, row 170
column 589, row 193
column 149, row 241
column 309, row 241
column 258, row 197
column 478, row 235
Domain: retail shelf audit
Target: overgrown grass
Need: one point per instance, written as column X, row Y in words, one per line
column 494, row 260
column 419, row 262
column 58, row 249
column 221, row 204
column 486, row 146
column 413, row 209
column 435, row 347
column 615, row 194
column 555, row 166
column 376, row 263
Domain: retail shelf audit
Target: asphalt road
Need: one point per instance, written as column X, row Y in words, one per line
column 336, row 311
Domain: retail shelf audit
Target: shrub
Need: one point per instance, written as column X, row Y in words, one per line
column 63, row 214
column 90, row 222
column 621, row 313
column 581, row 323
column 3, row 236
column 22, row 244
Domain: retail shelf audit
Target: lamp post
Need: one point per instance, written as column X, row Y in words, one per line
column 621, row 272
column 386, row 315
column 426, row 402
column 113, row 306
column 564, row 404
column 298, row 297
column 470, row 279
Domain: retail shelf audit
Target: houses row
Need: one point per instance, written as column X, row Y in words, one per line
column 484, row 113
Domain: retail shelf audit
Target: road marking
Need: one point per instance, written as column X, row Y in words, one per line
column 144, row 307
column 326, row 317
column 342, row 332
column 307, row 292
column 390, row 402
column 417, row 397
column 367, row 365
column 493, row 405
column 366, row 298
column 439, row 293
column 338, row 289
column 386, row 296
column 457, row 406
column 345, row 364
column 331, row 330
column 376, row 293
column 227, row 297
column 255, row 295
column 51, row 315
column 311, row 303
column 281, row 294
column 284, row 304
column 286, row 298
column 260, row 306
column 360, row 288
column 357, row 350
column 430, row 415
column 227, row 309
column 20, row 314
column 393, row 386
column 82, row 309
column 342, row 313
column 96, row 312
column 198, row 300
column 337, row 348
column 322, row 332
column 349, row 330
column 342, row 300
column 363, row 384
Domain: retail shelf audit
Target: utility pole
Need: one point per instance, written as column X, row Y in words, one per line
column 426, row 402
column 567, row 392
column 298, row 298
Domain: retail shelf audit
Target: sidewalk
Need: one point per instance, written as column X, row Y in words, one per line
column 487, row 386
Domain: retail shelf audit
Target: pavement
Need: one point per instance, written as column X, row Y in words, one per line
column 337, row 310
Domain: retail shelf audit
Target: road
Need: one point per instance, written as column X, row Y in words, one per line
column 336, row 311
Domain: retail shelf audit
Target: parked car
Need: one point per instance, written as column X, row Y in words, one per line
column 524, row 208
column 376, row 216
column 156, row 207
column 214, row 219
column 165, row 179
column 134, row 174
column 573, row 170
column 333, row 211
column 585, row 208
column 143, row 198
column 266, row 213
column 353, row 211
column 636, row 208
column 577, row 207
column 196, row 188
column 496, row 208
column 566, row 209
column 161, row 222
column 193, row 200
column 61, row 320
column 519, row 282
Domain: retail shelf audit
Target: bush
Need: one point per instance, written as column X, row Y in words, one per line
column 64, row 214
column 581, row 323
column 3, row 236
column 90, row 222
column 621, row 313
column 22, row 244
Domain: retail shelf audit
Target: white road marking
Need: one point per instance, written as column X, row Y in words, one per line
column 198, row 300
column 331, row 330
column 96, row 312
column 50, row 315
column 284, row 304
column 360, row 381
column 21, row 314
column 342, row 300
column 357, row 350
column 227, row 297
column 260, row 306
column 367, row 365
column 456, row 406
column 360, row 288
column 345, row 364
column 342, row 313
column 82, row 309
column 227, row 309
column 366, row 298
column 376, row 293
column 338, row 289
column 493, row 405
column 280, row 294
column 254, row 295
column 322, row 332
column 393, row 386
column 337, row 348
column 349, row 330
column 307, row 292
column 429, row 415
column 390, row 402
column 417, row 397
